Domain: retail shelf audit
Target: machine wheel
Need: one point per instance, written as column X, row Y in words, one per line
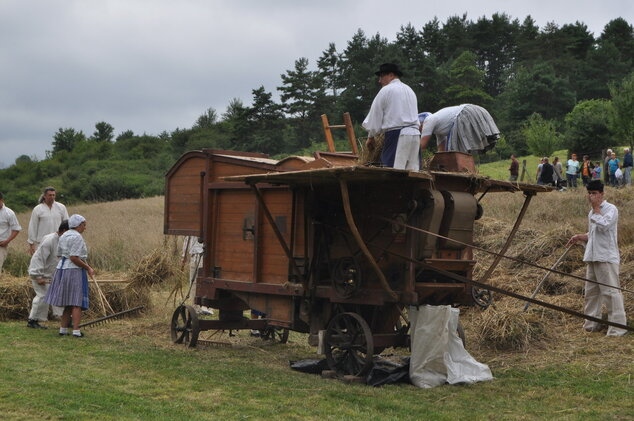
column 482, row 297
column 275, row 334
column 184, row 327
column 346, row 277
column 349, row 344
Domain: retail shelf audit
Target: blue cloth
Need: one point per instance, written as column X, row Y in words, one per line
column 627, row 160
column 390, row 142
column 614, row 165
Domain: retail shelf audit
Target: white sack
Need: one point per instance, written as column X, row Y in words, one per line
column 438, row 355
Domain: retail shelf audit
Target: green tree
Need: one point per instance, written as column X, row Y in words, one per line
column 207, row 119
column 329, row 65
column 103, row 133
column 622, row 118
column 67, row 139
column 587, row 127
column 362, row 58
column 495, row 44
column 125, row 135
column 466, row 82
column 302, row 94
column 541, row 135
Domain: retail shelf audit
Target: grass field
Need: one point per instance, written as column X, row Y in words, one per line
column 129, row 369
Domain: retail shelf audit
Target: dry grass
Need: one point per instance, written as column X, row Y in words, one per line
column 552, row 218
column 125, row 241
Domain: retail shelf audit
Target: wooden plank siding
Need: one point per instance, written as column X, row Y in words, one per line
column 182, row 196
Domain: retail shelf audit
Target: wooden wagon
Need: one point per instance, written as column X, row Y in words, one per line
column 325, row 247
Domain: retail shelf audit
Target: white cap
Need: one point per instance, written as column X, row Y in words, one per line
column 75, row 220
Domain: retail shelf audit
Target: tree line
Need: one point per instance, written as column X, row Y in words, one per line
column 550, row 87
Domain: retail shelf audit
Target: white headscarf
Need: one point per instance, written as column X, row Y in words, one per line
column 75, row 220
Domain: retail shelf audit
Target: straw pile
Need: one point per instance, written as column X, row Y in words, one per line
column 15, row 297
column 505, row 327
column 16, row 294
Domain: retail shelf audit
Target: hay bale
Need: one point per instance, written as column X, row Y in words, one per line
column 155, row 268
column 16, row 295
column 508, row 328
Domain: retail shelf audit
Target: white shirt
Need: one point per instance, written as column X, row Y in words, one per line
column 8, row 223
column 441, row 122
column 394, row 107
column 602, row 239
column 71, row 243
column 44, row 260
column 194, row 246
column 45, row 220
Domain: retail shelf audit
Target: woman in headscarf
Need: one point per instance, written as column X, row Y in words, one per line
column 69, row 288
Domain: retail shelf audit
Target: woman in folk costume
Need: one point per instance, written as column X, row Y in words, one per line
column 69, row 288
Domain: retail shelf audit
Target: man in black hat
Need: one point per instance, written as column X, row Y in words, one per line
column 394, row 113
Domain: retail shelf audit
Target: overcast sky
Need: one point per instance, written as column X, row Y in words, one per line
column 154, row 65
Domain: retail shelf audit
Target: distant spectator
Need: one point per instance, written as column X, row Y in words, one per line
column 606, row 160
column 572, row 169
column 45, row 218
column 546, row 175
column 613, row 164
column 539, row 170
column 558, row 172
column 514, row 169
column 586, row 170
column 9, row 229
column 596, row 172
column 627, row 166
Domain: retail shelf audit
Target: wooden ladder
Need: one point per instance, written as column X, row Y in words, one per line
column 349, row 130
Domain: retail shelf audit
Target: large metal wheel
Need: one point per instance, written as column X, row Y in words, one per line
column 184, row 327
column 349, row 344
column 275, row 334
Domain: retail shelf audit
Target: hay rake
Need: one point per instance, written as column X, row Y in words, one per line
column 105, row 319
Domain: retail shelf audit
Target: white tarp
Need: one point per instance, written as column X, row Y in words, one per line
column 438, row 355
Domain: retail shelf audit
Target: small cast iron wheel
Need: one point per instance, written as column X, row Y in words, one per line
column 349, row 344
column 346, row 277
column 184, row 327
column 481, row 296
column 275, row 334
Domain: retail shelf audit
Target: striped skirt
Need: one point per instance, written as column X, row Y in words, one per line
column 69, row 287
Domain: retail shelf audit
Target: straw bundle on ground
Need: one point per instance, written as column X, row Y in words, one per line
column 15, row 297
column 155, row 268
column 506, row 327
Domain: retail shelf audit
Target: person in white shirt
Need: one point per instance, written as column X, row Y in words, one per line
column 464, row 128
column 41, row 270
column 193, row 250
column 602, row 259
column 394, row 112
column 9, row 229
column 45, row 218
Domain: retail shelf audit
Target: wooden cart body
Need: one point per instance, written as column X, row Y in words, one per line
column 306, row 238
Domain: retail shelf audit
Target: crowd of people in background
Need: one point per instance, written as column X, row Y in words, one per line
column 611, row 170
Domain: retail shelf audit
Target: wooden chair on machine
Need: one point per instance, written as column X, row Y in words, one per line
column 349, row 130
